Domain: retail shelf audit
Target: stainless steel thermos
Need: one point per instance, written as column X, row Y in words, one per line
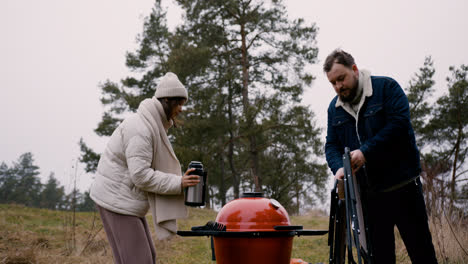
column 195, row 195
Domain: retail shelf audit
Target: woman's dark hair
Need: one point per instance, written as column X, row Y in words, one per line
column 169, row 103
column 338, row 56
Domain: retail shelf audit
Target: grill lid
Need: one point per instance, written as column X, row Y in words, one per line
column 251, row 216
column 253, row 212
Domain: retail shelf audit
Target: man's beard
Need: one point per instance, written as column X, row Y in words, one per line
column 352, row 93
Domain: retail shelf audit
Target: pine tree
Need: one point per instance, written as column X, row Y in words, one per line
column 419, row 93
column 88, row 157
column 244, row 64
column 420, row 90
column 148, row 63
column 27, row 185
column 7, row 183
column 85, row 203
column 53, row 195
column 263, row 57
column 447, row 129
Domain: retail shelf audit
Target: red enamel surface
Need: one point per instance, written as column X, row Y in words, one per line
column 274, row 250
column 252, row 214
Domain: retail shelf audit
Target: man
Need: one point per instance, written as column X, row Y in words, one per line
column 370, row 115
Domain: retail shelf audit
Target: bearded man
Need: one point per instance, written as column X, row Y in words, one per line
column 370, row 115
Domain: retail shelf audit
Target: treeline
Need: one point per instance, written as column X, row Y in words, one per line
column 20, row 184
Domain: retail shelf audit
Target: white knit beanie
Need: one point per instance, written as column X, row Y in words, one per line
column 170, row 86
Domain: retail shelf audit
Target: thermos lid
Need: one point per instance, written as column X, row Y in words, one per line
column 195, row 164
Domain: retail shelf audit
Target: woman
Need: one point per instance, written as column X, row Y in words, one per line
column 139, row 171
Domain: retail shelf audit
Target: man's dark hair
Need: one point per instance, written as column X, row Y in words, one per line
column 338, row 56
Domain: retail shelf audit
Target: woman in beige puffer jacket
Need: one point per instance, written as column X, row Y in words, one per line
column 139, row 171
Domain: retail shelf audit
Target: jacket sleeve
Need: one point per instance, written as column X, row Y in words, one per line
column 139, row 155
column 333, row 148
column 396, row 107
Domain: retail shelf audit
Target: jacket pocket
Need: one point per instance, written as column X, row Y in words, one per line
column 343, row 127
column 374, row 118
column 341, row 120
column 373, row 110
column 132, row 191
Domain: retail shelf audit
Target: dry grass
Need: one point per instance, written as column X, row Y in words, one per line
column 29, row 235
column 313, row 249
column 450, row 241
column 450, row 238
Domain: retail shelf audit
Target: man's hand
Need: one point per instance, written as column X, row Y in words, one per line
column 339, row 175
column 357, row 160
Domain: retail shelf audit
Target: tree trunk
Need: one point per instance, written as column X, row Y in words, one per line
column 455, row 161
column 248, row 113
column 235, row 175
column 222, row 187
column 298, row 199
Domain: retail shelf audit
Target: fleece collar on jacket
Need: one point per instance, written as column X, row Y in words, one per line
column 365, row 81
column 153, row 112
column 164, row 208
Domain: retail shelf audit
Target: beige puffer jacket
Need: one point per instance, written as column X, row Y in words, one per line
column 124, row 175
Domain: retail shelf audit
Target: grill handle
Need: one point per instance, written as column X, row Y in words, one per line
column 311, row 232
column 254, row 234
column 288, row 228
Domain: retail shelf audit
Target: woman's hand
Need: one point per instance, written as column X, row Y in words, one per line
column 190, row 180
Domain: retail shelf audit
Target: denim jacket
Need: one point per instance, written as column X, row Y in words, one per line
column 386, row 137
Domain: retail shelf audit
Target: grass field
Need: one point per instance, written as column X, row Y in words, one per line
column 31, row 235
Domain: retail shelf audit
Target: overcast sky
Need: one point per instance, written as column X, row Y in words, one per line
column 54, row 54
